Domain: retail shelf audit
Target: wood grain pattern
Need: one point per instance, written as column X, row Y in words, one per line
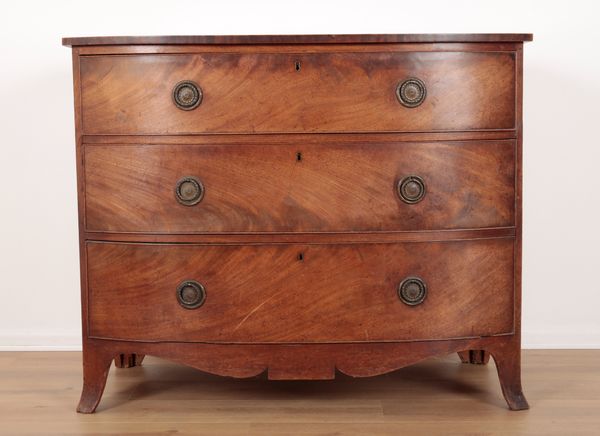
column 331, row 187
column 299, row 39
column 332, row 92
column 300, row 293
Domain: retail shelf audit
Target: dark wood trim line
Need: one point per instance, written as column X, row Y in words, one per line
column 272, row 138
column 132, row 50
column 250, row 344
column 297, row 39
column 303, row 238
column 79, row 156
column 518, row 250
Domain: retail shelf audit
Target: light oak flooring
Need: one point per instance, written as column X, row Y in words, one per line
column 39, row 392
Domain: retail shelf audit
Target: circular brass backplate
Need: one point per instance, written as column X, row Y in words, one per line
column 411, row 92
column 412, row 291
column 411, row 189
column 189, row 191
column 187, row 95
column 191, row 294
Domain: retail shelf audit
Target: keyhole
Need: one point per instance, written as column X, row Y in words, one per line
column 297, row 65
column 298, row 157
column 300, row 257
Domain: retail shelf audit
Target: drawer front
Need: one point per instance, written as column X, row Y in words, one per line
column 269, row 293
column 305, row 92
column 295, row 188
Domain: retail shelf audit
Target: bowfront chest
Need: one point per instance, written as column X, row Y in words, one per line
column 298, row 205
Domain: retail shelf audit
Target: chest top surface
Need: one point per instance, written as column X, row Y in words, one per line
column 299, row 39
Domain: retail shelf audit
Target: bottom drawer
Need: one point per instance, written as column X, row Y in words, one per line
column 300, row 293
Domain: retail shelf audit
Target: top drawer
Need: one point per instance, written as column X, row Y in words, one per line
column 288, row 92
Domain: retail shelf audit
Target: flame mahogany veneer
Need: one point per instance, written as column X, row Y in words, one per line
column 299, row 205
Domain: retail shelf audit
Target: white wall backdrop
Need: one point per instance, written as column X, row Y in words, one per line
column 39, row 285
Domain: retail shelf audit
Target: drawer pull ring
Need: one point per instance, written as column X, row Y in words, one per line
column 411, row 92
column 412, row 291
column 411, row 189
column 187, row 95
column 189, row 191
column 191, row 294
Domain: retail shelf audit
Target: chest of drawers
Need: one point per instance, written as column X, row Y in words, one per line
column 299, row 205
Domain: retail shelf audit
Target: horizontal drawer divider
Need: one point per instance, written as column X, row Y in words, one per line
column 306, row 238
column 274, row 138
column 296, row 343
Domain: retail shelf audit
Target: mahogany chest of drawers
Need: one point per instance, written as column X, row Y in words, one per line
column 299, row 205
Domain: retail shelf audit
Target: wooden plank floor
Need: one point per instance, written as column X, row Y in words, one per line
column 39, row 392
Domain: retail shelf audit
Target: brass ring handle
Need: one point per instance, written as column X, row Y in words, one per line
column 191, row 294
column 411, row 92
column 189, row 191
column 187, row 95
column 412, row 291
column 411, row 189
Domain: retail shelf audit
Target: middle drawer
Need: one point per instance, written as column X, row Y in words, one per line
column 293, row 188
